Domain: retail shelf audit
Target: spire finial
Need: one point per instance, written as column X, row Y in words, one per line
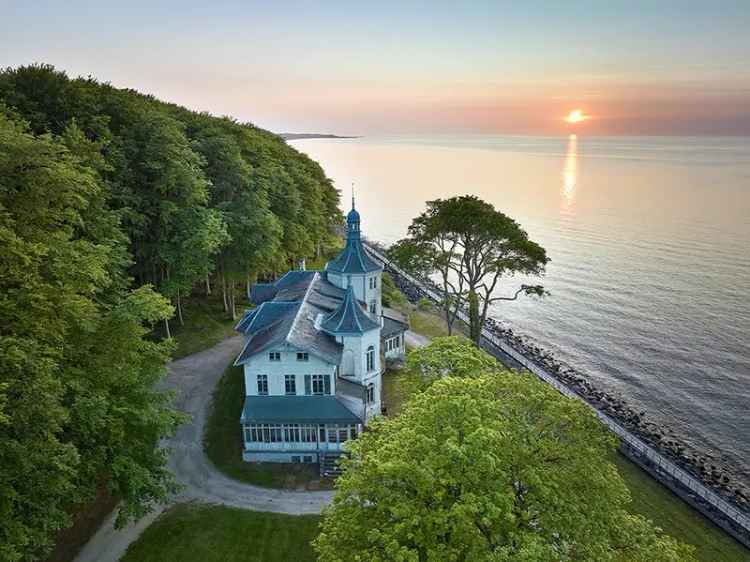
column 352, row 195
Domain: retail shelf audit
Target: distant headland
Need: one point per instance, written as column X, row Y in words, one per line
column 297, row 136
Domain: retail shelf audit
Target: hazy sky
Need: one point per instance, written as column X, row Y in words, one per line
column 653, row 67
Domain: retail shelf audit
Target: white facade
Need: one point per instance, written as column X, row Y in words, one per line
column 313, row 364
column 287, row 365
column 366, row 288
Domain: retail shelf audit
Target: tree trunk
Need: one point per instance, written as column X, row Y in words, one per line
column 179, row 308
column 448, row 319
column 247, row 285
column 166, row 327
column 208, row 285
column 231, row 301
column 224, row 292
column 475, row 321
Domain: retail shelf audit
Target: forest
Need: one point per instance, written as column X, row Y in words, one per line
column 114, row 208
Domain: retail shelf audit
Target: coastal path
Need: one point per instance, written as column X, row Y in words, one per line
column 193, row 380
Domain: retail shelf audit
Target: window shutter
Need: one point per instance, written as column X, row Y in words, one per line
column 327, row 384
column 308, row 385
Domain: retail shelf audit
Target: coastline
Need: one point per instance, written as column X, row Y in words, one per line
column 699, row 466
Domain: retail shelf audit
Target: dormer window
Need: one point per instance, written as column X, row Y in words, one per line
column 274, row 356
column 302, row 356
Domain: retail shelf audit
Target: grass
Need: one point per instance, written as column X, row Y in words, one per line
column 678, row 519
column 223, row 444
column 206, row 324
column 201, row 533
column 428, row 321
column 392, row 393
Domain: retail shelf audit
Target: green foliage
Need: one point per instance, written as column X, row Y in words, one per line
column 448, row 356
column 413, row 256
column 391, row 295
column 202, row 533
column 195, row 194
column 425, row 305
column 472, row 247
column 77, row 370
column 113, row 206
column 497, row 467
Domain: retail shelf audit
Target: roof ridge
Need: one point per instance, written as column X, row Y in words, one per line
column 302, row 302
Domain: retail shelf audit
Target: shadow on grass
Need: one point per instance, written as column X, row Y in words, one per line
column 201, row 533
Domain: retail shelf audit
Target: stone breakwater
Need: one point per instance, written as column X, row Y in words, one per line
column 701, row 465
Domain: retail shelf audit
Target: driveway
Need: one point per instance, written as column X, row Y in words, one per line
column 413, row 339
column 193, row 380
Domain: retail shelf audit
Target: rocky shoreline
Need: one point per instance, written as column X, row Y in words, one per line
column 702, row 466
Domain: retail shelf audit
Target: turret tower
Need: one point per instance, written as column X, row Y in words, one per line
column 354, row 268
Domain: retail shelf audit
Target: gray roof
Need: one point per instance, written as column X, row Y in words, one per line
column 289, row 319
column 348, row 318
column 392, row 327
column 296, row 409
column 353, row 259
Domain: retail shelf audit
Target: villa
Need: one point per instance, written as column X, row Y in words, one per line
column 314, row 356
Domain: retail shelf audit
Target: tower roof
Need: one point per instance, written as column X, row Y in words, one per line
column 353, row 258
column 348, row 318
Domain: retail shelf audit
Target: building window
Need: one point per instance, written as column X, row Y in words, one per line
column 392, row 343
column 290, row 384
column 370, row 358
column 274, row 356
column 263, row 433
column 373, row 307
column 307, row 458
column 317, row 384
column 302, row 356
column 262, row 385
column 295, row 459
column 370, row 393
column 292, row 433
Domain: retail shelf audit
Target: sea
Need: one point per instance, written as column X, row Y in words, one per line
column 649, row 240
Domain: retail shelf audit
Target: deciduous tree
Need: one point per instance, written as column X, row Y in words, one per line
column 489, row 467
column 472, row 247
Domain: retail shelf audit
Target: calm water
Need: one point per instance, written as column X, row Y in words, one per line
column 650, row 247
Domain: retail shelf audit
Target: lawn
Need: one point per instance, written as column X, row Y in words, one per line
column 223, row 445
column 654, row 501
column 202, row 533
column 206, row 324
column 428, row 321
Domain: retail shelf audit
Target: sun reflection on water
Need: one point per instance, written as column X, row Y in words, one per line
column 570, row 171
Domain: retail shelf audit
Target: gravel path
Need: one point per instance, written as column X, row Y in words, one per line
column 414, row 339
column 193, row 379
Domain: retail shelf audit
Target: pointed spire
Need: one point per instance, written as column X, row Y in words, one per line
column 353, row 207
column 348, row 319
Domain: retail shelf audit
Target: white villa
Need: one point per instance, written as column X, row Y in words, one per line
column 314, row 355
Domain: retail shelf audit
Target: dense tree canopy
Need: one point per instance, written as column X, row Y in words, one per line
column 494, row 466
column 76, row 369
column 113, row 207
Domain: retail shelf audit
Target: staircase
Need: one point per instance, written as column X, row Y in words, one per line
column 329, row 465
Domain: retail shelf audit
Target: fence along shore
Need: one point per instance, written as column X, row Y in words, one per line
column 693, row 491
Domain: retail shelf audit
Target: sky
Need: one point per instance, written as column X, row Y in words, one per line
column 635, row 68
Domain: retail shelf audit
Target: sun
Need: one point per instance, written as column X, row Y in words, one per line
column 575, row 116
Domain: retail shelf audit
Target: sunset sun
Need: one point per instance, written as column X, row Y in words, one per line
column 575, row 116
